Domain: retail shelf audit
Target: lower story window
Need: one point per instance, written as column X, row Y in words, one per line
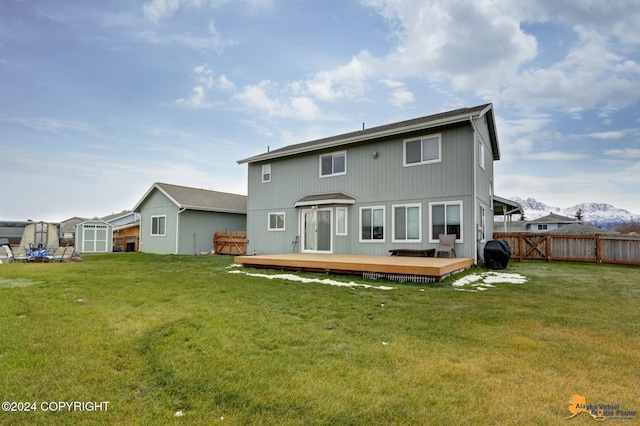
column 341, row 221
column 372, row 224
column 276, row 221
column 158, row 225
column 446, row 218
column 406, row 223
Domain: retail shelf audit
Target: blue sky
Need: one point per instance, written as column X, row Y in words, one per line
column 99, row 100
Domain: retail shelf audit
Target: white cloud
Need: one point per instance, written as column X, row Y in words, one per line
column 556, row 156
column 591, row 74
column 462, row 42
column 345, row 82
column 213, row 41
column 624, row 153
column 607, row 135
column 267, row 97
column 399, row 96
column 51, row 125
column 157, row 10
column 205, row 81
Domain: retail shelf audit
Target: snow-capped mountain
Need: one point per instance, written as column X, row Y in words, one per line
column 603, row 215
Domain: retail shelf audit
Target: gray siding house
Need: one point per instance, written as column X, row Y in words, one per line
column 181, row 220
column 550, row 222
column 396, row 186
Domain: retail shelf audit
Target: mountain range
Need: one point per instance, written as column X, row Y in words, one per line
column 596, row 214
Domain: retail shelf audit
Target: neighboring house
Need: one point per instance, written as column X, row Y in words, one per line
column 579, row 229
column 550, row 222
column 126, row 230
column 181, row 220
column 125, row 217
column 396, row 186
column 94, row 236
column 68, row 229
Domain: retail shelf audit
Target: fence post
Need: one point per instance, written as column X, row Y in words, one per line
column 598, row 249
column 521, row 245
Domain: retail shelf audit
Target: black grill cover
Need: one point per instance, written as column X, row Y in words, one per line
column 496, row 254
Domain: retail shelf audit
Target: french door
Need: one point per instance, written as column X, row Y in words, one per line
column 317, row 230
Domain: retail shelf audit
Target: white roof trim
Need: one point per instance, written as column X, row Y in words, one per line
column 323, row 202
column 365, row 137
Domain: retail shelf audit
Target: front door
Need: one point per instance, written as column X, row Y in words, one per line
column 316, row 230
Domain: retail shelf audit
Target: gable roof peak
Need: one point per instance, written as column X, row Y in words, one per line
column 421, row 123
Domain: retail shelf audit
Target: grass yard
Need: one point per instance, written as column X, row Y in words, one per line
column 157, row 336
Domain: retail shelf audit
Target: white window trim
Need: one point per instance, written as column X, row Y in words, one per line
column 384, row 224
column 481, row 154
column 419, row 163
column 393, row 223
column 332, row 154
column 435, row 239
column 165, row 225
column 483, row 223
column 263, row 173
column 346, row 221
column 284, row 222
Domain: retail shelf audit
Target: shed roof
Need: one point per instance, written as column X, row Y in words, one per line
column 198, row 199
column 416, row 124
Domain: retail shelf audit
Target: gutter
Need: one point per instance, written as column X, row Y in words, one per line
column 475, row 191
column 178, row 227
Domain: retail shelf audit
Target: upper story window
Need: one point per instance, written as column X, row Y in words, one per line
column 423, row 150
column 481, row 153
column 333, row 164
column 266, row 173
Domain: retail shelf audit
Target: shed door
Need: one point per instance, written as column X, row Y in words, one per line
column 94, row 238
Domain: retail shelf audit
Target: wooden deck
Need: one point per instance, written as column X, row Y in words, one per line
column 438, row 268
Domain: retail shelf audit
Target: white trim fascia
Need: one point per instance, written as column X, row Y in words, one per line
column 144, row 197
column 211, row 209
column 323, row 202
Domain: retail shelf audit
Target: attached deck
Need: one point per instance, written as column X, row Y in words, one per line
column 438, row 268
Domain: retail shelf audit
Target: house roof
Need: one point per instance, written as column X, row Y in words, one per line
column 114, row 216
column 198, row 199
column 416, row 124
column 555, row 218
column 578, row 229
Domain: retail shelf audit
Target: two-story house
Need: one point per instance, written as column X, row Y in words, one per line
column 395, row 186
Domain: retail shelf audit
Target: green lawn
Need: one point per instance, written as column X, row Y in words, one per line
column 160, row 335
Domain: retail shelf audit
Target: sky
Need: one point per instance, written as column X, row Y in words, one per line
column 99, row 100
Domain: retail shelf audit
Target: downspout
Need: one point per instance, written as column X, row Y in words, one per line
column 178, row 227
column 475, row 190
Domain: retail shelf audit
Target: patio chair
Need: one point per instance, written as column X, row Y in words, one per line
column 446, row 245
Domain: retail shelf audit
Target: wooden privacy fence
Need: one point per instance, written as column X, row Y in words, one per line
column 577, row 248
column 230, row 242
